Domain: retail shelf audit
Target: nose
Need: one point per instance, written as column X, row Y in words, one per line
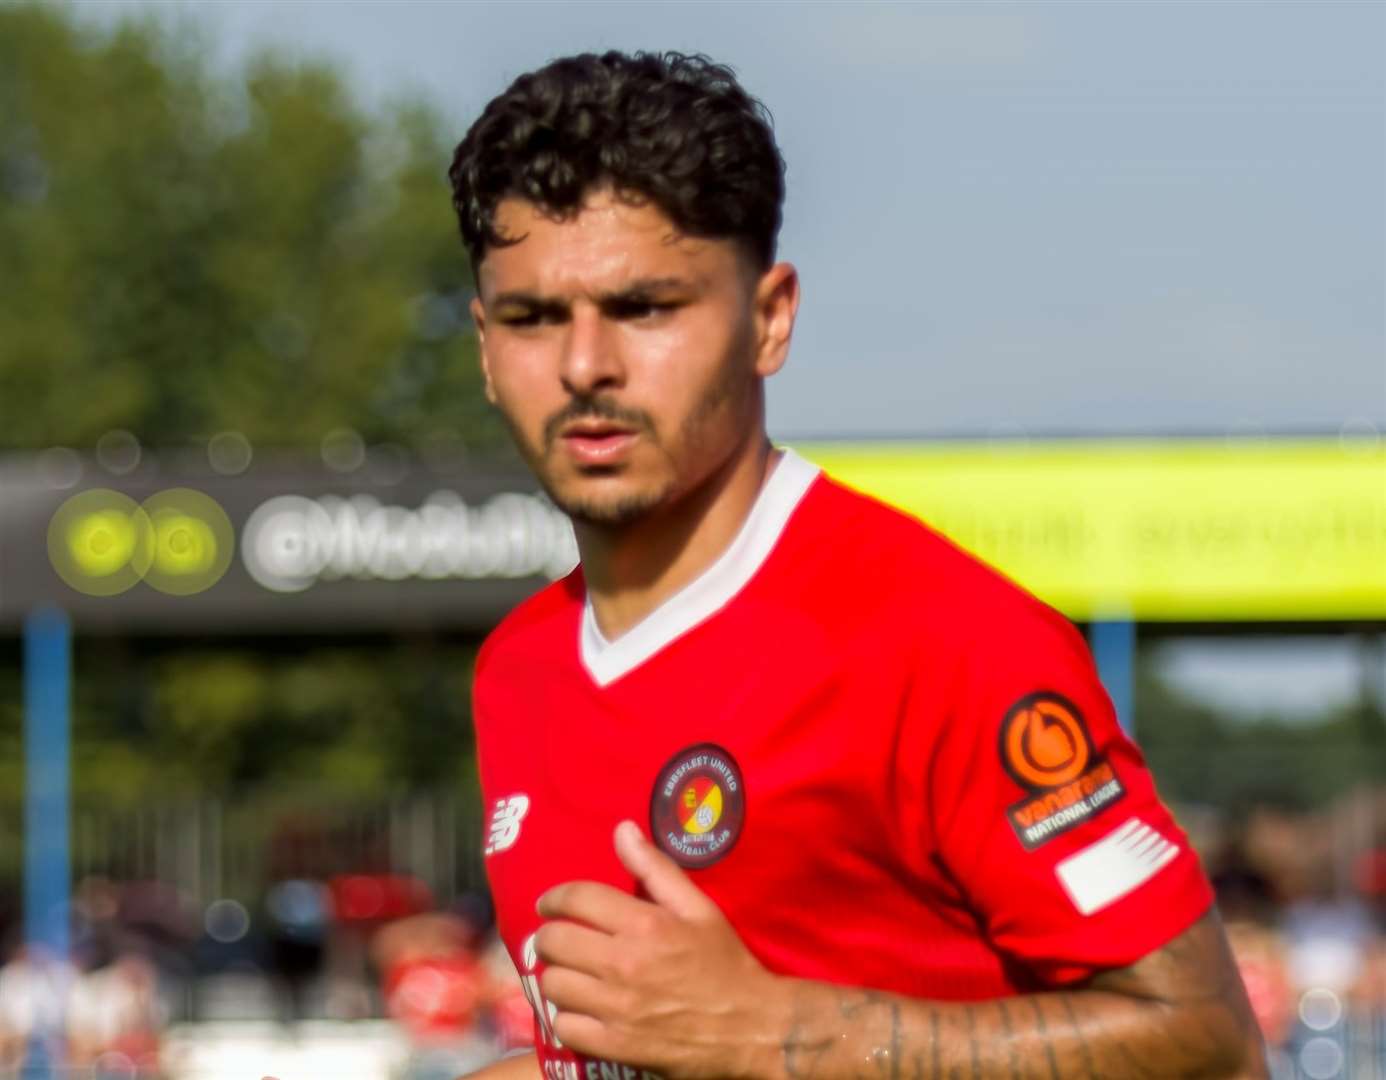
column 591, row 360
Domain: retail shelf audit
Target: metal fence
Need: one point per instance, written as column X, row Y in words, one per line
column 209, row 851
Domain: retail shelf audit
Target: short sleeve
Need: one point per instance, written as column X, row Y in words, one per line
column 1045, row 813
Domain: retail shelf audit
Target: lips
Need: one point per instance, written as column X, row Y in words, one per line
column 597, row 443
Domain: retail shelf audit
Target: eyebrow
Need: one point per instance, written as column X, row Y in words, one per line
column 635, row 290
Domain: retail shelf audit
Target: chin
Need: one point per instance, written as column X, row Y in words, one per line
column 610, row 509
column 610, row 513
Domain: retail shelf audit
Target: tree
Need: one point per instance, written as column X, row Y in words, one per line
column 1199, row 755
column 183, row 254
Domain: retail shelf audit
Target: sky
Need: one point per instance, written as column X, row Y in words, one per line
column 1043, row 218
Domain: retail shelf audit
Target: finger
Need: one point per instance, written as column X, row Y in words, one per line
column 572, row 945
column 664, row 880
column 577, row 992
column 603, row 907
column 585, row 1035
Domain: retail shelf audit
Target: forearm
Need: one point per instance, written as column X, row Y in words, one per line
column 667, row 986
column 828, row 1031
column 1179, row 1011
column 515, row 1067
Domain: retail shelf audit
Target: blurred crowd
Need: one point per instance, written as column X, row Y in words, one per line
column 1306, row 918
column 1305, row 915
column 350, row 947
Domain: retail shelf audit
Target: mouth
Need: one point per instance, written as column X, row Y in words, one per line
column 597, row 442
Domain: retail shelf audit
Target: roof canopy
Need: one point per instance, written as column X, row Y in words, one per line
column 1179, row 530
column 1156, row 530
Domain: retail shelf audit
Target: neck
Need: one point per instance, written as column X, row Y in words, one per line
column 632, row 570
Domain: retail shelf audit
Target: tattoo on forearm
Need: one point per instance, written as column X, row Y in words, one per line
column 1012, row 1058
column 1178, row 1012
column 1079, row 1039
column 970, row 1012
column 895, row 1047
column 1043, row 1030
column 800, row 1052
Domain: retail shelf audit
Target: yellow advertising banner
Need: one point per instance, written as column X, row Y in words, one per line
column 1290, row 529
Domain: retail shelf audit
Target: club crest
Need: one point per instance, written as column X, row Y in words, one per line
column 698, row 805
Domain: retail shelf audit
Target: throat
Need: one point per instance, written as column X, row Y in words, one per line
column 631, row 572
column 617, row 638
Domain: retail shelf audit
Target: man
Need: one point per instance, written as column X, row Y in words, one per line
column 780, row 783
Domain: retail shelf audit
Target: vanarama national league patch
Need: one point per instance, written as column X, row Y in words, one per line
column 1046, row 748
column 698, row 805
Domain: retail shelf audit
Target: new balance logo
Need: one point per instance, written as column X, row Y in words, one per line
column 505, row 822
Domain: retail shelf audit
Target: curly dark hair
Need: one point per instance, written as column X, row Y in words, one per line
column 677, row 130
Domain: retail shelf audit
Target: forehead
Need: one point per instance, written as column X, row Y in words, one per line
column 604, row 245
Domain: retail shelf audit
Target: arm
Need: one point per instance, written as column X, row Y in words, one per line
column 515, row 1067
column 1180, row 1011
column 668, row 985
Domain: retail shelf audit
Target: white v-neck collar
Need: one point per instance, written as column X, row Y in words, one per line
column 606, row 661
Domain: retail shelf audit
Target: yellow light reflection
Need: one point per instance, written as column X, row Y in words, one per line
column 100, row 542
column 1177, row 529
column 193, row 541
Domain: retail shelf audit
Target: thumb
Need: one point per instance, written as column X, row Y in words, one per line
column 664, row 880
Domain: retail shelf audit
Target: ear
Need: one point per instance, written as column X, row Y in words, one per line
column 776, row 304
column 479, row 320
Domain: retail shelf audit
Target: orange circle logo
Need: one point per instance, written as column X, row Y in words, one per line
column 1043, row 741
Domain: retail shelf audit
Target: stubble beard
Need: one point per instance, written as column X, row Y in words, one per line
column 610, row 513
column 625, row 509
column 621, row 509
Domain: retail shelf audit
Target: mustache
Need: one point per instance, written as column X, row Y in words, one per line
column 595, row 408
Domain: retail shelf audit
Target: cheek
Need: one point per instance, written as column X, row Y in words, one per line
column 685, row 371
column 522, row 384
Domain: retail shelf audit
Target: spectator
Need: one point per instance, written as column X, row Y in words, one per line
column 33, row 989
column 435, row 986
column 114, row 1019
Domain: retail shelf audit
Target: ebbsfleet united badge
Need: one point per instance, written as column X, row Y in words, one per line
column 698, row 805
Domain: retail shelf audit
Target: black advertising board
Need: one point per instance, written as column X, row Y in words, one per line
column 288, row 546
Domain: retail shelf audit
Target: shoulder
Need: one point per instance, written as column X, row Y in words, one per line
column 891, row 560
column 534, row 626
column 867, row 532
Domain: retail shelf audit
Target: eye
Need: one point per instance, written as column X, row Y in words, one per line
column 636, row 310
column 521, row 318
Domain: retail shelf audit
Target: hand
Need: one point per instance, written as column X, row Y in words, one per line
column 665, row 983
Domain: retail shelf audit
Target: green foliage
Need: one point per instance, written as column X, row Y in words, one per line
column 340, row 721
column 328, row 730
column 182, row 254
column 1200, row 756
column 348, row 721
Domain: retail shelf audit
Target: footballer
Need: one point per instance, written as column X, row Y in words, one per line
column 779, row 782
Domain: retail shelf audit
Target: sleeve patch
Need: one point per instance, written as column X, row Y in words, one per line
column 1046, row 749
column 1104, row 872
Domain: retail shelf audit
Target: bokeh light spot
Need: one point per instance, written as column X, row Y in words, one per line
column 118, row 452
column 1320, row 1009
column 343, row 450
column 100, row 542
column 193, row 541
column 229, row 453
column 226, row 921
column 1321, row 1059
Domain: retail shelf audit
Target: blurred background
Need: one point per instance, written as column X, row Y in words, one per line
column 1099, row 289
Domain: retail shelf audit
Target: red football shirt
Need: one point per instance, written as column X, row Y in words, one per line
column 889, row 766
